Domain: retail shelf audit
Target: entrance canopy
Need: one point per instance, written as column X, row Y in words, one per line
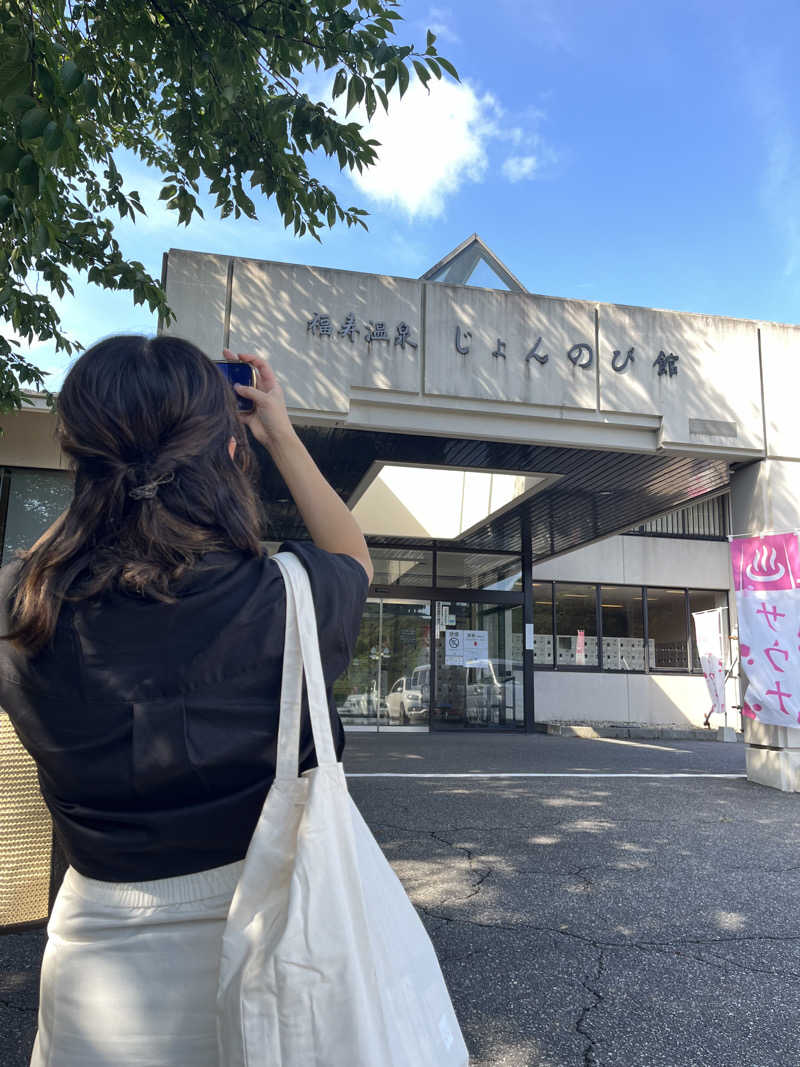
column 585, row 494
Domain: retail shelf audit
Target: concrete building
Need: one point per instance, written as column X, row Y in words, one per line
column 547, row 485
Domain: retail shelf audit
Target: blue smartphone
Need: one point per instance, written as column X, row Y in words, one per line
column 239, row 374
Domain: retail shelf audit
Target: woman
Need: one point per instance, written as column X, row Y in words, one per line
column 141, row 667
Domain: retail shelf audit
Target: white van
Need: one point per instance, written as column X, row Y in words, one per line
column 494, row 692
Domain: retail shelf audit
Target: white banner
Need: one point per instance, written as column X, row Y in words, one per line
column 766, row 577
column 709, row 627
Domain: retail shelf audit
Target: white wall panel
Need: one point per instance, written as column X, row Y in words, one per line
column 663, row 561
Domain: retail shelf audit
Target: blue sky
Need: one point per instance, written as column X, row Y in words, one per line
column 625, row 152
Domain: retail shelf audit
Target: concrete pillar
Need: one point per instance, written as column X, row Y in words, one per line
column 765, row 498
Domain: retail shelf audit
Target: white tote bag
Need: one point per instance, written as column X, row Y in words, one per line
column 325, row 962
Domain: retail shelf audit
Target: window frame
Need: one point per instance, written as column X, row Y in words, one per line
column 584, row 668
column 649, row 668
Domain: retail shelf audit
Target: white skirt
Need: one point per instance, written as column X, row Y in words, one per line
column 130, row 972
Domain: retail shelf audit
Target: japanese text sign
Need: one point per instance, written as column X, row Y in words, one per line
column 766, row 577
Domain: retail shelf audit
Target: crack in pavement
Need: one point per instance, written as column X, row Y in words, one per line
column 470, row 859
column 590, row 1057
column 602, row 944
column 725, row 964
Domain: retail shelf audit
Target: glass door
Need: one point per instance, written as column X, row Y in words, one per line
column 478, row 667
column 388, row 681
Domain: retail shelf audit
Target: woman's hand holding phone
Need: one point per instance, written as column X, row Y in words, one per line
column 325, row 514
column 269, row 423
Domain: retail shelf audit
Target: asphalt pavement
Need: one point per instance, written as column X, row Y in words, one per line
column 621, row 905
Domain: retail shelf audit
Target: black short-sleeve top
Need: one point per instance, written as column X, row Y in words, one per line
column 154, row 726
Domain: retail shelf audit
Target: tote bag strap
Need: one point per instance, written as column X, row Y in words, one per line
column 301, row 654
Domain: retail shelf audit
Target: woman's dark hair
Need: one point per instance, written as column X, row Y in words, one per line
column 131, row 410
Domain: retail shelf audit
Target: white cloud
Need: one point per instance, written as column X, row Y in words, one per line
column 515, row 168
column 430, row 144
column 438, row 21
column 434, row 140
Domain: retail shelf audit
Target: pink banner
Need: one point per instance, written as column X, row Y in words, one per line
column 766, row 574
column 580, row 649
column 766, row 563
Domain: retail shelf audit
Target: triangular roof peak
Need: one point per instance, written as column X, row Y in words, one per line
column 458, row 266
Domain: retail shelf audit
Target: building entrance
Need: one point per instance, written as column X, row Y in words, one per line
column 388, row 681
column 479, row 672
column 435, row 664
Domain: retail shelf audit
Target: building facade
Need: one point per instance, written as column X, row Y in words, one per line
column 547, row 485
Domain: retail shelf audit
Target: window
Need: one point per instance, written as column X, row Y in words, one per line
column 478, row 570
column 706, row 600
column 402, row 566
column 35, row 500
column 626, row 614
column 576, row 618
column 666, row 629
column 623, row 628
column 543, row 623
column 704, row 520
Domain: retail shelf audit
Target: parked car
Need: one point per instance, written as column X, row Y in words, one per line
column 363, row 706
column 408, row 697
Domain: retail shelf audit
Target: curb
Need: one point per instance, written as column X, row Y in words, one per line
column 642, row 733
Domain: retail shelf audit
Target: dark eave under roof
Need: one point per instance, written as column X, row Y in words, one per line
column 598, row 493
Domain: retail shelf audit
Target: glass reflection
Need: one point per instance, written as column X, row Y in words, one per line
column 388, row 680
column 478, row 666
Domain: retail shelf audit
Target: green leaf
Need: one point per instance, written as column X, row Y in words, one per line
column 53, row 137
column 371, row 104
column 445, row 64
column 89, row 92
column 6, row 207
column 355, row 93
column 244, row 201
column 339, row 83
column 435, row 67
column 45, row 80
column 431, row 38
column 390, row 76
column 10, row 155
column 29, row 171
column 71, row 76
column 15, row 69
column 402, row 77
column 18, row 103
column 167, row 192
column 422, row 72
column 33, row 123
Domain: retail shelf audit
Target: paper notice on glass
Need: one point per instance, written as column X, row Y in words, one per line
column 453, row 648
column 476, row 647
